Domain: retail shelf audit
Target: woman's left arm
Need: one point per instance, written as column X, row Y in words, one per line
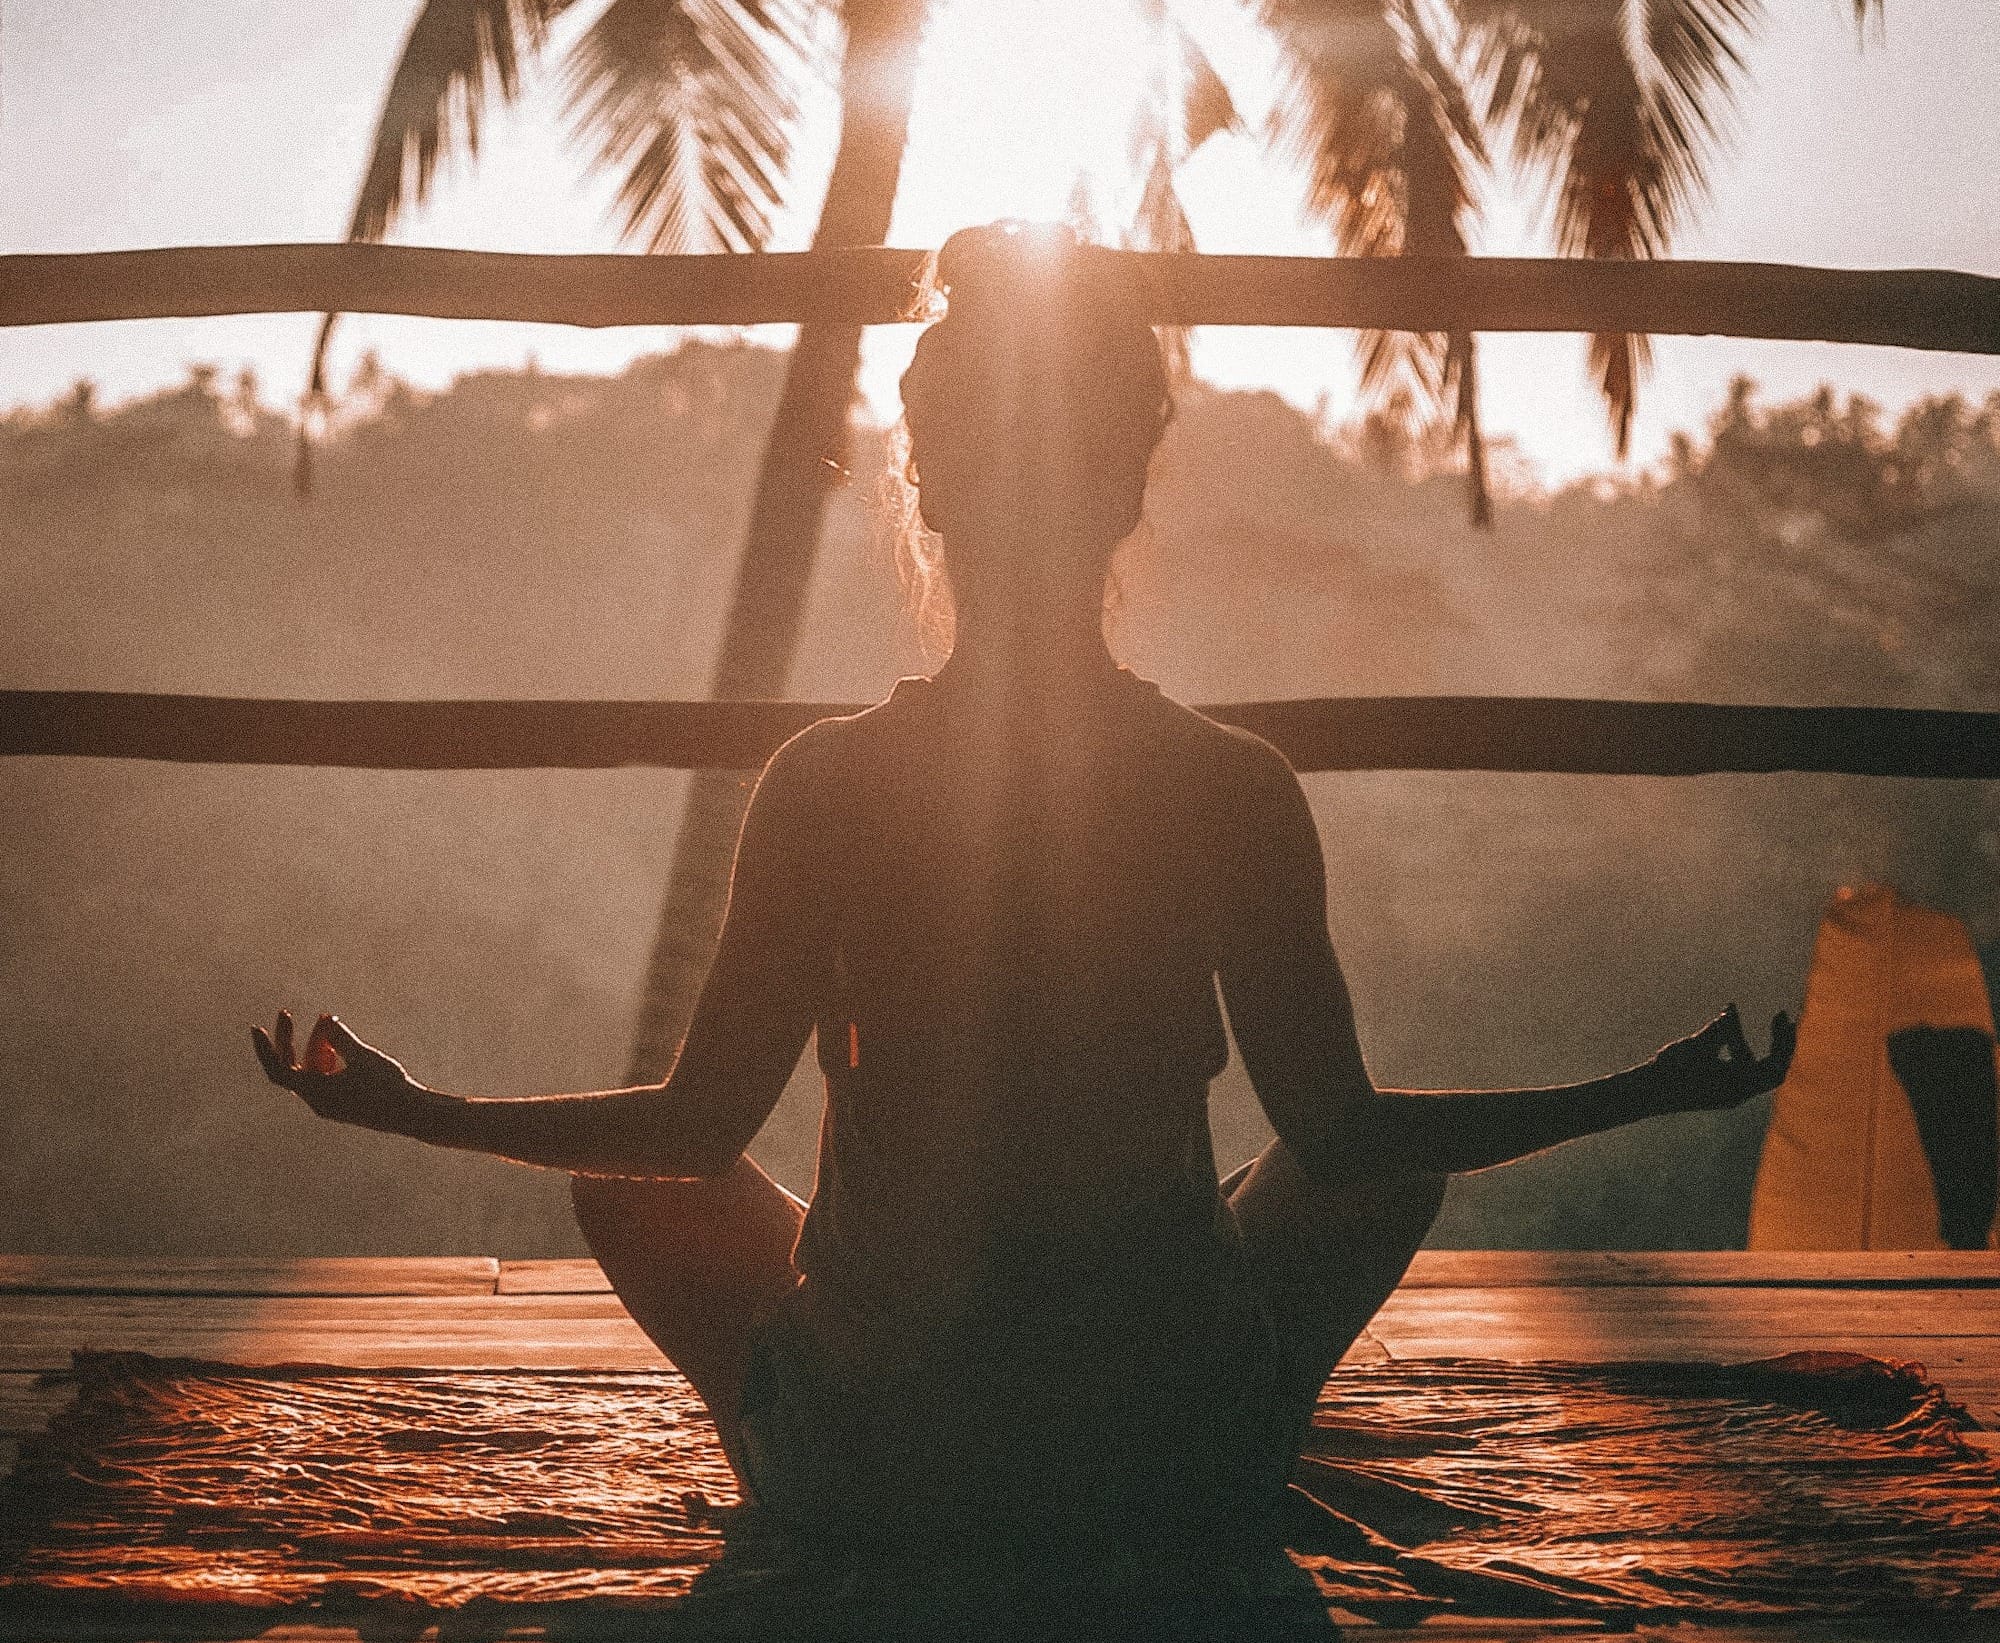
column 750, row 1025
column 1293, row 1021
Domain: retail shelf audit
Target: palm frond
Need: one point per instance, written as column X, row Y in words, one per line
column 1697, row 52
column 1339, row 114
column 1386, row 131
column 457, row 55
column 1161, row 221
column 1186, row 101
column 1185, row 105
column 1620, row 103
column 1207, row 108
column 1161, row 224
column 696, row 101
column 694, row 97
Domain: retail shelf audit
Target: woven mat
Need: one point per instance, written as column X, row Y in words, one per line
column 1814, row 1485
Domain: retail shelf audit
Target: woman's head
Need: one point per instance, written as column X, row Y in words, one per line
column 1033, row 407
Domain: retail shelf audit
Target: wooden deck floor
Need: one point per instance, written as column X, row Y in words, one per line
column 1941, row 1310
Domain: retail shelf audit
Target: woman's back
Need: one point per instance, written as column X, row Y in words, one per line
column 1020, row 915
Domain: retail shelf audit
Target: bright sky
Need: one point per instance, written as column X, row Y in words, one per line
column 131, row 124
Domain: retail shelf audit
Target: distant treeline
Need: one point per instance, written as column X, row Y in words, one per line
column 523, row 534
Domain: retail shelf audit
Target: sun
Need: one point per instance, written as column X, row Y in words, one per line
column 1029, row 108
column 1022, row 110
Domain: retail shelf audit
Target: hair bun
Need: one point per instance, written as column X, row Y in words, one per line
column 1043, row 377
column 999, row 266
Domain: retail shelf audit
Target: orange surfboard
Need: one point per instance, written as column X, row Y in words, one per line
column 1843, row 1166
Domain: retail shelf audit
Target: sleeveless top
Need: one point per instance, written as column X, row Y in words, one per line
column 1024, row 1312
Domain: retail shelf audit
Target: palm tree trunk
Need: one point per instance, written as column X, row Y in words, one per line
column 802, row 454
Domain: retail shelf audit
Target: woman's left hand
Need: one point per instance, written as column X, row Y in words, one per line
column 340, row 1076
column 1716, row 1068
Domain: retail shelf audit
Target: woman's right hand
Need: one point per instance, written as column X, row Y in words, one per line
column 1715, row 1068
column 341, row 1076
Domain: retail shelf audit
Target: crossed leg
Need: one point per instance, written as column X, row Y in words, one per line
column 699, row 1265
column 1325, row 1256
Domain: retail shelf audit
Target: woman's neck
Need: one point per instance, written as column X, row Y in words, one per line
column 1051, row 655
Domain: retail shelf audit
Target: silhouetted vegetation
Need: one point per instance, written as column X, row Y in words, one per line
column 525, row 534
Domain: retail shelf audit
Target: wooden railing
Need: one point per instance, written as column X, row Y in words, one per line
column 1922, row 308
column 1500, row 733
column 1907, row 308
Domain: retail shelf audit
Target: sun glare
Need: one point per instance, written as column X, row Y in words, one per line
column 1022, row 110
column 1027, row 110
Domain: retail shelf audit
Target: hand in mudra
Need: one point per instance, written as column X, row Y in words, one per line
column 1716, row 1068
column 340, row 1076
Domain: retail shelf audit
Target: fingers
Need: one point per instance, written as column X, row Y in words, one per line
column 322, row 1055
column 342, row 1037
column 1717, row 1040
column 325, row 1052
column 1735, row 1045
column 273, row 1064
column 1784, row 1041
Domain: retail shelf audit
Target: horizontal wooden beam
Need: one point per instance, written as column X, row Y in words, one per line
column 1526, row 734
column 249, row 1274
column 1909, row 308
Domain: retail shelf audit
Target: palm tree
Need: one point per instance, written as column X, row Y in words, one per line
column 1390, row 106
column 803, row 454
column 696, row 101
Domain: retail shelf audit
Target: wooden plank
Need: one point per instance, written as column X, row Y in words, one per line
column 1432, row 1269
column 444, row 1331
column 553, row 1277
column 39, row 1332
column 27, row 1402
column 1512, row 1269
column 1909, row 308
column 1541, row 1268
column 1501, row 733
column 390, row 735
column 1613, row 1313
column 209, row 1275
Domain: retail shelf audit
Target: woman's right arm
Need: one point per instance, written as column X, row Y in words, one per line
column 749, row 1027
column 1293, row 1021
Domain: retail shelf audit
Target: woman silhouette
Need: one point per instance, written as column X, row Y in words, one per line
column 1020, row 1309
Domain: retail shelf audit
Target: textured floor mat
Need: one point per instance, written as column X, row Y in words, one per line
column 226, row 1498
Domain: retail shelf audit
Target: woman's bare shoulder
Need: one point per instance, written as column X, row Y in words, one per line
column 1237, row 755
column 829, row 748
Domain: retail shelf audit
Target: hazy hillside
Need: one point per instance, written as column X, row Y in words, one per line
column 529, row 535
